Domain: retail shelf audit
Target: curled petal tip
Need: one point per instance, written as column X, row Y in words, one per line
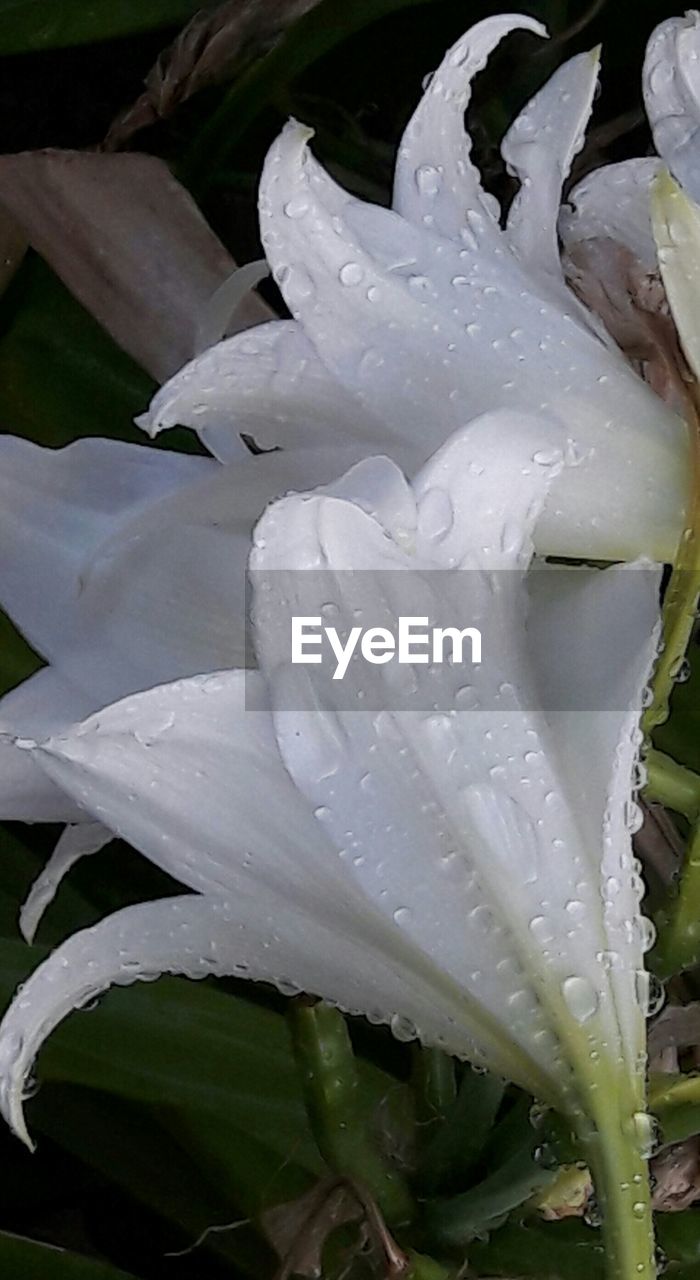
column 27, row 922
column 13, row 1074
column 148, row 422
column 297, row 134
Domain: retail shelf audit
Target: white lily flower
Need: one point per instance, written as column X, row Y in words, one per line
column 465, row 875
column 407, row 323
column 614, row 202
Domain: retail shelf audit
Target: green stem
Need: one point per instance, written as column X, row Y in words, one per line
column 422, row 1268
column 338, row 1120
column 679, row 942
column 434, row 1084
column 672, row 785
column 621, row 1178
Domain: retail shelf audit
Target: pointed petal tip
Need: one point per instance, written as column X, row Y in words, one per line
column 148, row 422
column 28, row 921
column 664, row 186
column 14, row 1068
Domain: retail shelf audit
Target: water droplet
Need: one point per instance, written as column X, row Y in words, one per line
column 297, row 284
column 541, row 930
column 428, row 180
column 648, row 932
column 547, row 457
column 351, row 273
column 576, row 909
column 435, row 514
column 580, row 997
column 297, row 207
column 402, row 915
column 403, row 1028
column 459, row 55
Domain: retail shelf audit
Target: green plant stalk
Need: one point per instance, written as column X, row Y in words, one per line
column 681, row 600
column 679, row 940
column 422, row 1268
column 612, row 1130
column 330, row 1084
column 621, row 1180
column 672, row 785
column 434, row 1083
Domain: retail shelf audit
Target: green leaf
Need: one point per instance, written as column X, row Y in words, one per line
column 150, row 1157
column 17, row 660
column 515, row 1177
column 309, row 39
column 34, row 1261
column 555, row 1251
column 679, row 737
column 675, row 1101
column 30, row 25
column 61, row 376
column 457, row 1144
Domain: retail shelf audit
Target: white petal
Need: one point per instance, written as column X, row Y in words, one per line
column 39, row 706
column 676, row 221
column 457, row 821
column 58, row 506
column 671, row 82
column 267, row 383
column 591, row 675
column 76, row 842
column 613, row 203
column 427, row 336
column 259, row 935
column 219, row 313
column 539, row 148
column 436, row 184
column 179, row 772
column 118, row 602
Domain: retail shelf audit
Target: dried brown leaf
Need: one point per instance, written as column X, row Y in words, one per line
column 299, row 1229
column 676, row 1172
column 130, row 243
column 676, row 1027
column 215, row 45
column 631, row 302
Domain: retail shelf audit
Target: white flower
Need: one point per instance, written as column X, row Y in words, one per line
column 468, row 872
column 614, row 203
column 408, row 323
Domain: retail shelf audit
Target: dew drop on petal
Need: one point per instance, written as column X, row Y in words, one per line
column 428, row 180
column 297, row 207
column 403, row 1028
column 351, row 273
column 435, row 514
column 580, row 997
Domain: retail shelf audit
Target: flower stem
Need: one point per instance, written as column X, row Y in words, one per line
column 621, row 1179
column 681, row 601
column 615, row 1142
column 422, row 1268
column 679, row 937
column 672, row 784
column 340, row 1126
